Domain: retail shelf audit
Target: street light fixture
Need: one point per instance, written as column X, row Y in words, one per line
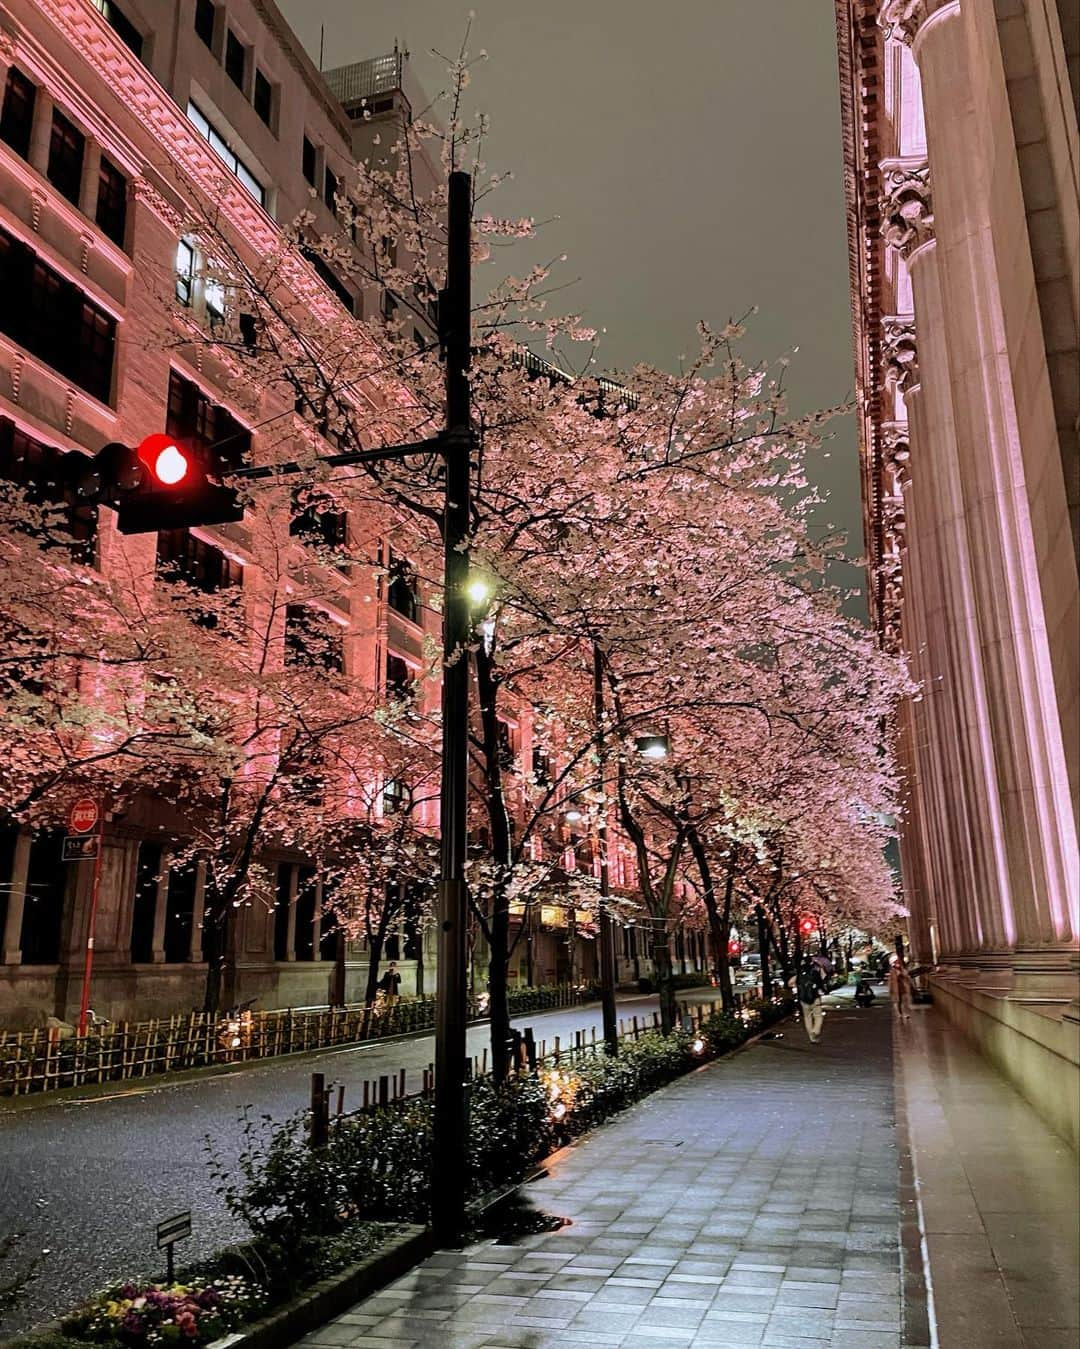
column 653, row 746
column 478, row 591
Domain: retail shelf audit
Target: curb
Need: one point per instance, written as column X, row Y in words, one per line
column 331, row 1297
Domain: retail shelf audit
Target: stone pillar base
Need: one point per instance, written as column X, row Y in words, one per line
column 1032, row 1039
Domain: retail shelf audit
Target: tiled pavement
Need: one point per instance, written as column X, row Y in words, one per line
column 753, row 1203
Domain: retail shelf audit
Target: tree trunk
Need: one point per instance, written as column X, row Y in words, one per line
column 376, row 942
column 665, row 975
column 219, row 951
column 719, row 925
column 763, row 950
column 502, row 857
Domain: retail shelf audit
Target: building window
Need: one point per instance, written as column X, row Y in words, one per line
column 183, row 557
column 314, row 640
column 541, row 767
column 67, row 145
column 185, row 273
column 43, row 911
column 319, row 524
column 111, row 211
column 282, row 906
column 205, row 14
column 192, row 417
column 39, row 470
column 54, row 320
column 262, row 97
column 121, row 25
column 17, row 119
column 330, row 187
column 327, row 275
column 508, row 746
column 399, row 678
column 307, row 154
column 402, row 594
column 144, row 905
column 305, row 913
column 226, row 153
column 235, row 55
column 396, row 797
column 179, row 914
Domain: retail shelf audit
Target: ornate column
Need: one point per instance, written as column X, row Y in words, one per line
column 41, row 131
column 1022, row 737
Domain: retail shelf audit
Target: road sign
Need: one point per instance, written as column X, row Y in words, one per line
column 81, row 848
column 84, row 816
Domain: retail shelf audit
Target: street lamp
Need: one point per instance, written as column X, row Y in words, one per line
column 653, row 746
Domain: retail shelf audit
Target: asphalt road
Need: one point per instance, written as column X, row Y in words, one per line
column 88, row 1180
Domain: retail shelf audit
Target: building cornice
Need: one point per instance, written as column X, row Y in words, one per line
column 860, row 47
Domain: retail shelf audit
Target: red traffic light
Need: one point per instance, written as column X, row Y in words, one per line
column 806, row 926
column 734, row 947
column 165, row 460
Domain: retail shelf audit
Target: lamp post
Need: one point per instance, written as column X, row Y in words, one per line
column 449, row 1139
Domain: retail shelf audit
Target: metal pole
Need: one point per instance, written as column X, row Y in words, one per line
column 607, row 933
column 91, row 923
column 449, row 1143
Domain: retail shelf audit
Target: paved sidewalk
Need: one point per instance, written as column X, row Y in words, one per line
column 753, row 1203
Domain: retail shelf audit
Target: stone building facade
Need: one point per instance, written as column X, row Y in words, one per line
column 960, row 145
column 114, row 115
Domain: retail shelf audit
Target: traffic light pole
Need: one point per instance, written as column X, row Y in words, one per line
column 450, row 1140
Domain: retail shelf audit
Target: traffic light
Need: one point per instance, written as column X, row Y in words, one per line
column 165, row 483
column 806, row 926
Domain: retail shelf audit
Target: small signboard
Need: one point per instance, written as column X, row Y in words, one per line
column 173, row 1229
column 84, row 817
column 169, row 1232
column 81, row 847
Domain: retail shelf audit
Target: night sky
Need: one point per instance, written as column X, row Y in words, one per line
column 691, row 154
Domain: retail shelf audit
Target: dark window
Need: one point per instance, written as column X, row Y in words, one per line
column 389, row 306
column 205, row 13
column 179, row 913
column 144, row 908
column 185, row 273
column 328, row 275
column 40, row 471
column 396, row 796
column 392, row 947
column 319, row 524
column 281, row 911
column 234, row 59
column 329, row 928
column 54, row 321
column 414, row 929
column 307, row 156
column 111, row 213
column 66, row 147
column 193, row 418
column 330, row 187
column 17, row 119
column 183, row 557
column 401, row 591
column 43, row 911
column 399, row 678
column 507, row 746
column 312, row 639
column 305, row 914
column 226, row 153
column 541, row 767
column 262, row 97
column 121, row 25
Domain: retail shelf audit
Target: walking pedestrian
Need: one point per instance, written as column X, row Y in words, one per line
column 900, row 987
column 389, row 984
column 810, row 985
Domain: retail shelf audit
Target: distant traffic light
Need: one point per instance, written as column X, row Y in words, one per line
column 165, row 483
column 807, row 926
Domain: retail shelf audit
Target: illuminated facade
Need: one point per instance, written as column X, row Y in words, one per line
column 960, row 144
